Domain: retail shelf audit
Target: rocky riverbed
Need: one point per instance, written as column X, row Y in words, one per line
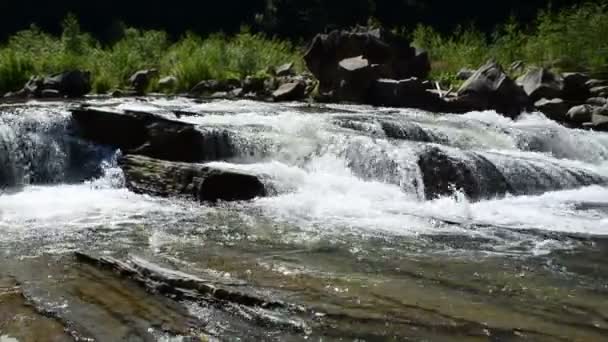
column 321, row 222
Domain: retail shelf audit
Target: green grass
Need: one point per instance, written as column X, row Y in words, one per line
column 574, row 39
column 191, row 59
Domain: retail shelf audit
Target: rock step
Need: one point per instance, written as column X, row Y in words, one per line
column 194, row 181
column 152, row 135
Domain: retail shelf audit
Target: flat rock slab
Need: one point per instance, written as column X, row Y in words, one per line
column 194, row 181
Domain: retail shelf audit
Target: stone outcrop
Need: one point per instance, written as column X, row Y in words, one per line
column 194, row 181
column 541, row 83
column 346, row 62
column 140, row 81
column 491, row 88
column 151, row 135
column 555, row 109
column 290, row 92
column 72, row 84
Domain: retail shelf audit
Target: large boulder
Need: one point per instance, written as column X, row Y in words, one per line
column 73, row 83
column 207, row 87
column 411, row 92
column 290, row 92
column 356, row 76
column 151, row 135
column 600, row 91
column 575, row 88
column 554, row 109
column 580, row 114
column 541, row 83
column 140, row 80
column 195, row 181
column 597, row 101
column 391, row 55
column 491, row 88
column 599, row 119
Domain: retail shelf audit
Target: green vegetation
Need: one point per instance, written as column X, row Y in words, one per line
column 192, row 59
column 570, row 39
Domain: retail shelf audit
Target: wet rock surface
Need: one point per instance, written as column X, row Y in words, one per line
column 199, row 182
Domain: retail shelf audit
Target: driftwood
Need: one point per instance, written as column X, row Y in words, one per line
column 182, row 286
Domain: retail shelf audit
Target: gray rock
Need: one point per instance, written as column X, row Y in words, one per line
column 555, row 109
column 151, row 135
column 412, row 93
column 601, row 91
column 517, row 67
column 50, row 94
column 254, row 85
column 196, row 181
column 214, row 86
column 290, row 92
column 168, row 83
column 391, row 54
column 491, row 88
column 356, row 76
column 285, row 70
column 599, row 120
column 580, row 114
column 597, row 101
column 592, row 83
column 575, row 88
column 541, row 83
column 140, row 80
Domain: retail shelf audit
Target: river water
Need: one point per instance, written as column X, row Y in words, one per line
column 349, row 232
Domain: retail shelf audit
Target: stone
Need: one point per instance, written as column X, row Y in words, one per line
column 464, row 74
column 412, row 93
column 597, row 101
column 391, row 56
column 541, row 83
column 601, row 91
column 151, row 135
column 168, row 83
column 50, row 94
column 255, row 85
column 196, row 181
column 554, row 109
column 140, row 80
column 356, row 76
column 214, row 86
column 592, row 83
column 599, row 119
column 73, row 83
column 290, row 92
column 491, row 88
column 575, row 88
column 285, row 70
column 580, row 114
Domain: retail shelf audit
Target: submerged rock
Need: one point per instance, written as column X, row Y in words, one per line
column 196, row 181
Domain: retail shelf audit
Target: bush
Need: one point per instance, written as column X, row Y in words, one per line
column 571, row 39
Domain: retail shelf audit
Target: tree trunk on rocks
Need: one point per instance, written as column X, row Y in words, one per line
column 194, row 181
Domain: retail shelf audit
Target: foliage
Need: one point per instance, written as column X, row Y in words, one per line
column 570, row 39
column 191, row 59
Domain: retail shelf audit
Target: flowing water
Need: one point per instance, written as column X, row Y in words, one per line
column 351, row 231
